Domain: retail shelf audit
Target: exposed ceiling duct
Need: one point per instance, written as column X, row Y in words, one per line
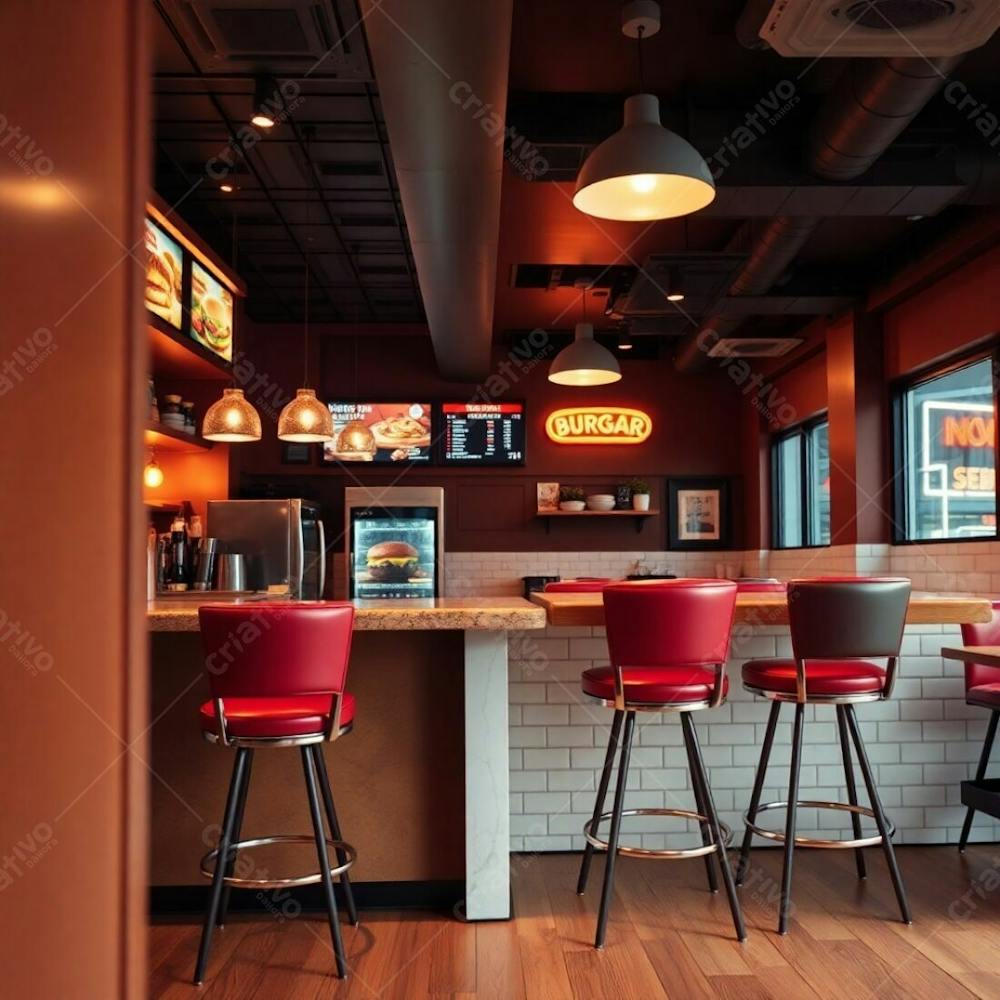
column 870, row 106
column 441, row 68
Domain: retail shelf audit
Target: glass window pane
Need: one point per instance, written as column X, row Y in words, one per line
column 949, row 473
column 819, row 485
column 789, row 499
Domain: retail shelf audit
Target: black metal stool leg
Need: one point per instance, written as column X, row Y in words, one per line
column 324, row 862
column 226, row 838
column 880, row 820
column 602, row 792
column 793, row 796
column 727, row 876
column 699, row 800
column 984, row 760
column 758, row 787
column 852, row 789
column 616, row 822
column 237, row 829
column 331, row 818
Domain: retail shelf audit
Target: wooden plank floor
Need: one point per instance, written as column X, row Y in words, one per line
column 667, row 937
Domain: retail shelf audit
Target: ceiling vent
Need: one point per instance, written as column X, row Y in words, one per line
column 753, row 347
column 839, row 28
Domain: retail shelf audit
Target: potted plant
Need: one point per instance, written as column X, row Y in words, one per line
column 571, row 498
column 639, row 489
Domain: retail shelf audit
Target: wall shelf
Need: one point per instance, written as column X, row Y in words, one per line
column 168, row 439
column 637, row 516
column 174, row 356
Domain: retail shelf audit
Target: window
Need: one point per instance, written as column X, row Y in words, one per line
column 945, row 471
column 800, row 500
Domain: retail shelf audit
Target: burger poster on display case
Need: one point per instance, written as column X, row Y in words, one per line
column 211, row 312
column 394, row 552
column 164, row 275
column 379, row 432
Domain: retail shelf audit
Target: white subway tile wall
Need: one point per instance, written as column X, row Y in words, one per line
column 922, row 742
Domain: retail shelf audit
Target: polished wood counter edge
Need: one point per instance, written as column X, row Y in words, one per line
column 467, row 614
column 987, row 655
column 772, row 609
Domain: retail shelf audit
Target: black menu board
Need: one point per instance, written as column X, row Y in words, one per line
column 483, row 433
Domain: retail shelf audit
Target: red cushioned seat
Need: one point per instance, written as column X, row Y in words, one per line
column 987, row 695
column 653, row 685
column 299, row 715
column 823, row 677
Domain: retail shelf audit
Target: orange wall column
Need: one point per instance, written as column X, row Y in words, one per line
column 860, row 495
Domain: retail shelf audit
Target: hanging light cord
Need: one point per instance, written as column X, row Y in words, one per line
column 306, row 331
column 638, row 49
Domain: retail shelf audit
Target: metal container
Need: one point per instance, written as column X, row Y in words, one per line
column 231, row 571
column 204, row 570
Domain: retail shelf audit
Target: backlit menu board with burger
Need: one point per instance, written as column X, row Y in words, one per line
column 393, row 552
column 483, row 433
column 379, row 432
column 164, row 275
column 211, row 312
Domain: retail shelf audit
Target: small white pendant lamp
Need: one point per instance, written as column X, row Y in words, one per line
column 585, row 361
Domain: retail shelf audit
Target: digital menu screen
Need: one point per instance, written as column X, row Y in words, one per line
column 211, row 312
column 483, row 433
column 379, row 432
column 393, row 552
column 164, row 272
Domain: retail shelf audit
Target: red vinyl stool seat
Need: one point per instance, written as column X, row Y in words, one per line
column 668, row 642
column 276, row 718
column 653, row 685
column 276, row 673
column 837, row 624
column 827, row 678
column 982, row 688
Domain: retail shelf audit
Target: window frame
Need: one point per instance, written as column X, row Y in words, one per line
column 897, row 435
column 804, row 430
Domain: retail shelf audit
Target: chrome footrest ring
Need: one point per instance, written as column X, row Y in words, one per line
column 871, row 841
column 208, row 862
column 647, row 852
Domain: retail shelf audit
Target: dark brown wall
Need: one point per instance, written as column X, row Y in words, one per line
column 696, row 431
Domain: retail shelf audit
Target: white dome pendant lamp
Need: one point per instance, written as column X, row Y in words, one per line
column 644, row 171
column 585, row 361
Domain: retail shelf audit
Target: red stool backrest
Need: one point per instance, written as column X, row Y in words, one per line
column 834, row 618
column 666, row 623
column 277, row 649
column 582, row 585
column 987, row 634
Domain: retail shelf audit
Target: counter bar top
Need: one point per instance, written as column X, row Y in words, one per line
column 464, row 614
column 772, row 609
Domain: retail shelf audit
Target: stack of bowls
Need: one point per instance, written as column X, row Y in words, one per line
column 601, row 501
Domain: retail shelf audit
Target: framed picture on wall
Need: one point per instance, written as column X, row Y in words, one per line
column 295, row 453
column 698, row 513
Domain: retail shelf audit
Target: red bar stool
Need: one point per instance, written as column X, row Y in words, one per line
column 668, row 643
column 276, row 672
column 837, row 625
column 982, row 688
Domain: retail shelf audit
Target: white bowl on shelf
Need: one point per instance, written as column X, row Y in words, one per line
column 574, row 506
column 600, row 502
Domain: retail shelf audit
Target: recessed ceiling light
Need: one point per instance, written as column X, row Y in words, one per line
column 227, row 188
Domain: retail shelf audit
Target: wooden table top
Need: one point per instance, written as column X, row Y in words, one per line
column 772, row 609
column 987, row 655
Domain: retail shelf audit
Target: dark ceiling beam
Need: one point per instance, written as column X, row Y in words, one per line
column 234, row 137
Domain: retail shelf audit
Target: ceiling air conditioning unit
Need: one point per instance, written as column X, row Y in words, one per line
column 753, row 347
column 839, row 28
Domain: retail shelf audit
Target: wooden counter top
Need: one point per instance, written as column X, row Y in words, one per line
column 772, row 609
column 467, row 614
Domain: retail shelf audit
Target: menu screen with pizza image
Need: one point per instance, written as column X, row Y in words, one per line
column 164, row 270
column 379, row 432
column 211, row 313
